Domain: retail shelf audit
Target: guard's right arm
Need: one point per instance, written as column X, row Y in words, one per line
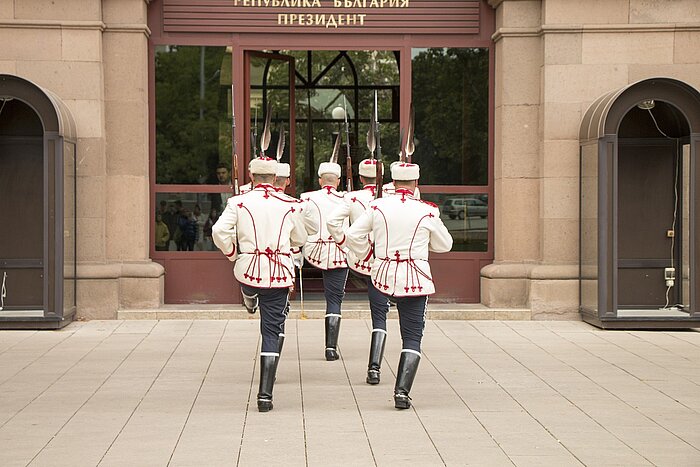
column 356, row 236
column 336, row 220
column 310, row 216
column 440, row 238
column 223, row 232
column 297, row 236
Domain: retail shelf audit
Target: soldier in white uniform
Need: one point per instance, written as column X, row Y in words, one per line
column 389, row 188
column 354, row 205
column 257, row 230
column 404, row 229
column 283, row 173
column 322, row 251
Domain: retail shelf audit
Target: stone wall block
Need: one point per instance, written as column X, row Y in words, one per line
column 688, row 73
column 89, row 117
column 97, row 298
column 125, row 11
column 30, row 44
column 632, row 47
column 561, row 120
column 8, row 67
column 664, row 11
column 562, row 49
column 139, row 292
column 125, row 66
column 582, row 83
column 560, row 241
column 511, row 293
column 127, row 228
column 521, row 14
column 554, row 299
column 91, row 197
column 517, row 219
column 586, row 11
column 520, row 70
column 69, row 80
column 560, row 198
column 561, row 158
column 72, row 10
column 519, row 141
column 83, row 45
column 686, row 47
column 127, row 142
column 90, row 234
column 91, row 157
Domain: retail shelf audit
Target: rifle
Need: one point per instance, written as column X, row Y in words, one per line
column 234, row 151
column 377, row 138
column 348, row 159
column 254, row 135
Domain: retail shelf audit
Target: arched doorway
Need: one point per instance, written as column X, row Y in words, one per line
column 37, row 197
column 639, row 229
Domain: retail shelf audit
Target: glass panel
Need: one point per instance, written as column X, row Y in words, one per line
column 589, row 228
column 183, row 221
column 193, row 121
column 375, row 67
column 269, row 84
column 466, row 217
column 69, row 239
column 450, row 97
column 685, row 228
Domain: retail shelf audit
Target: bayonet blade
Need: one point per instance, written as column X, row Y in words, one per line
column 280, row 143
column 336, row 150
column 266, row 135
column 410, row 143
column 402, row 155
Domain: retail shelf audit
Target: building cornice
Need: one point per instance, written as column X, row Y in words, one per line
column 592, row 29
column 79, row 25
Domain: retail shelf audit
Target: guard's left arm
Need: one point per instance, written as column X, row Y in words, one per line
column 223, row 232
column 440, row 238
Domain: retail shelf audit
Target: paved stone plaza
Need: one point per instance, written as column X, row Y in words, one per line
column 182, row 392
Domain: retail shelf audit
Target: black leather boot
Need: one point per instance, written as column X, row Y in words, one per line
column 280, row 344
column 376, row 352
column 408, row 365
column 332, row 331
column 268, row 366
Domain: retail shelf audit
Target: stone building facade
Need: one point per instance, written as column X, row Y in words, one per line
column 553, row 58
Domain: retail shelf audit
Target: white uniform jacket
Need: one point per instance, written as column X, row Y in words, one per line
column 354, row 204
column 268, row 224
column 404, row 230
column 245, row 188
column 388, row 189
column 320, row 249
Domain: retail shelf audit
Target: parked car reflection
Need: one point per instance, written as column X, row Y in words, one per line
column 465, row 207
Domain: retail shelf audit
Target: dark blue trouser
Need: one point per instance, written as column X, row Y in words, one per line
column 378, row 305
column 273, row 312
column 411, row 320
column 334, row 289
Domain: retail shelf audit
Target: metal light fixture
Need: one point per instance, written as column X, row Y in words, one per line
column 647, row 104
column 338, row 113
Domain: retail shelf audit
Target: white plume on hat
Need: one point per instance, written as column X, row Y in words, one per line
column 283, row 169
column 329, row 168
column 368, row 168
column 263, row 166
column 405, row 171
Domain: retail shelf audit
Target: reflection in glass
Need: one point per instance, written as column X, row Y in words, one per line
column 465, row 216
column 183, row 221
column 685, row 228
column 69, row 223
column 193, row 119
column 450, row 97
column 589, row 228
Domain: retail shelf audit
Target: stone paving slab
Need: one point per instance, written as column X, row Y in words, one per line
column 182, row 393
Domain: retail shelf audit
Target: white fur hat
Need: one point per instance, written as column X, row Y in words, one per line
column 263, row 166
column 405, row 171
column 368, row 168
column 283, row 169
column 329, row 168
